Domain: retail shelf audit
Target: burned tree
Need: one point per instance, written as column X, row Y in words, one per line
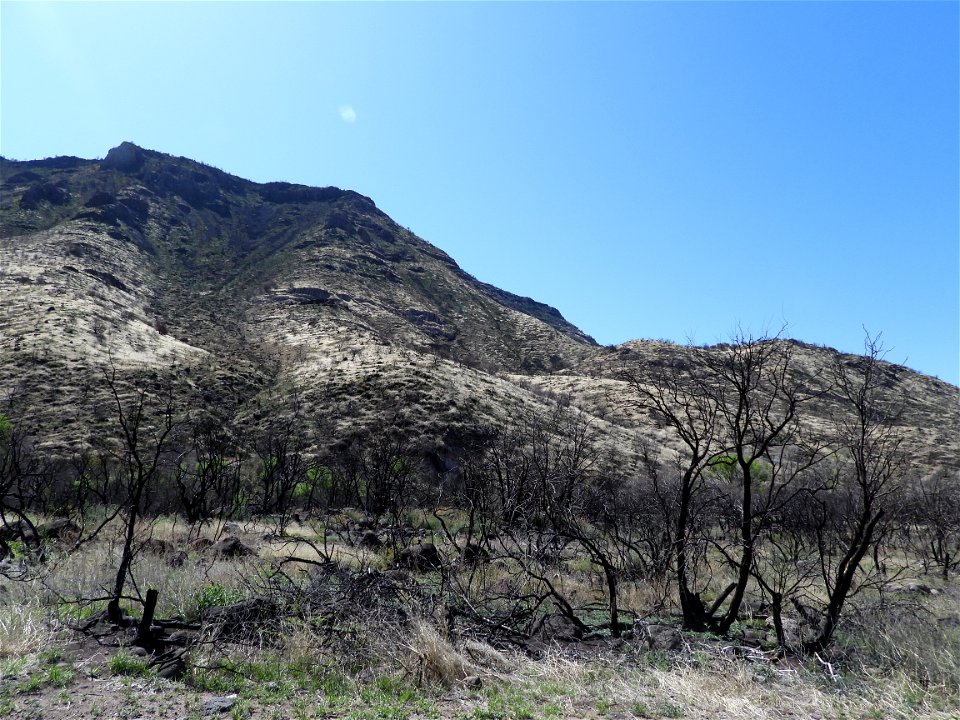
column 734, row 410
column 849, row 521
column 146, row 424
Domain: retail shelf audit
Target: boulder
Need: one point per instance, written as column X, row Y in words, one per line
column 177, row 559
column 423, row 556
column 126, row 157
column 658, row 637
column 556, row 627
column 474, row 682
column 17, row 530
column 173, row 668
column 59, row 529
column 754, row 637
column 755, row 610
column 218, row 705
column 240, row 618
column 371, row 541
column 156, row 546
column 44, row 192
column 230, row 547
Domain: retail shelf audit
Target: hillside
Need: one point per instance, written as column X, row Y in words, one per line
column 228, row 289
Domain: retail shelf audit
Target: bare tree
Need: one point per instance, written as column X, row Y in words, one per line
column 850, row 520
column 932, row 520
column 18, row 465
column 735, row 411
column 676, row 398
column 208, row 477
column 146, row 423
column 284, row 458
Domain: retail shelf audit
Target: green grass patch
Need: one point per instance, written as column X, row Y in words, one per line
column 215, row 595
column 126, row 665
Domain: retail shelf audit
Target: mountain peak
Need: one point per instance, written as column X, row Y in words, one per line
column 125, row 157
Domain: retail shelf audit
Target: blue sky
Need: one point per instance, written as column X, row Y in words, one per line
column 656, row 170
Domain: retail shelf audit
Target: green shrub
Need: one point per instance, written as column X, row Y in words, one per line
column 215, row 595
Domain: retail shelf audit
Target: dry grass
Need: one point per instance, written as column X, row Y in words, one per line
column 895, row 659
column 433, row 660
column 24, row 626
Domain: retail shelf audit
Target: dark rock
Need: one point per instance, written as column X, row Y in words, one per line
column 182, row 637
column 753, row 637
column 308, row 296
column 339, row 221
column 17, row 530
column 44, row 192
column 424, row 556
column 138, row 206
column 100, row 199
column 659, row 637
column 131, row 211
column 430, row 324
column 201, row 190
column 23, row 177
column 371, row 540
column 231, row 547
column 217, row 705
column 398, row 577
column 173, row 669
column 241, row 618
column 156, row 546
column 556, row 627
column 108, row 279
column 11, row 569
column 281, row 192
column 126, row 157
column 758, row 610
column 177, row 559
column 474, row 682
column 421, row 317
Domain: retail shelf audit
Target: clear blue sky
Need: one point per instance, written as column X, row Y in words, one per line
column 657, row 170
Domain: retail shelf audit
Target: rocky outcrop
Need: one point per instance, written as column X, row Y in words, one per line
column 43, row 192
column 126, row 157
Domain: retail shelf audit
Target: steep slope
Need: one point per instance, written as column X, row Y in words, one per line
column 146, row 260
column 202, row 231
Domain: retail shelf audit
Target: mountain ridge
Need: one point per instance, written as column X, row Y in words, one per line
column 145, row 260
